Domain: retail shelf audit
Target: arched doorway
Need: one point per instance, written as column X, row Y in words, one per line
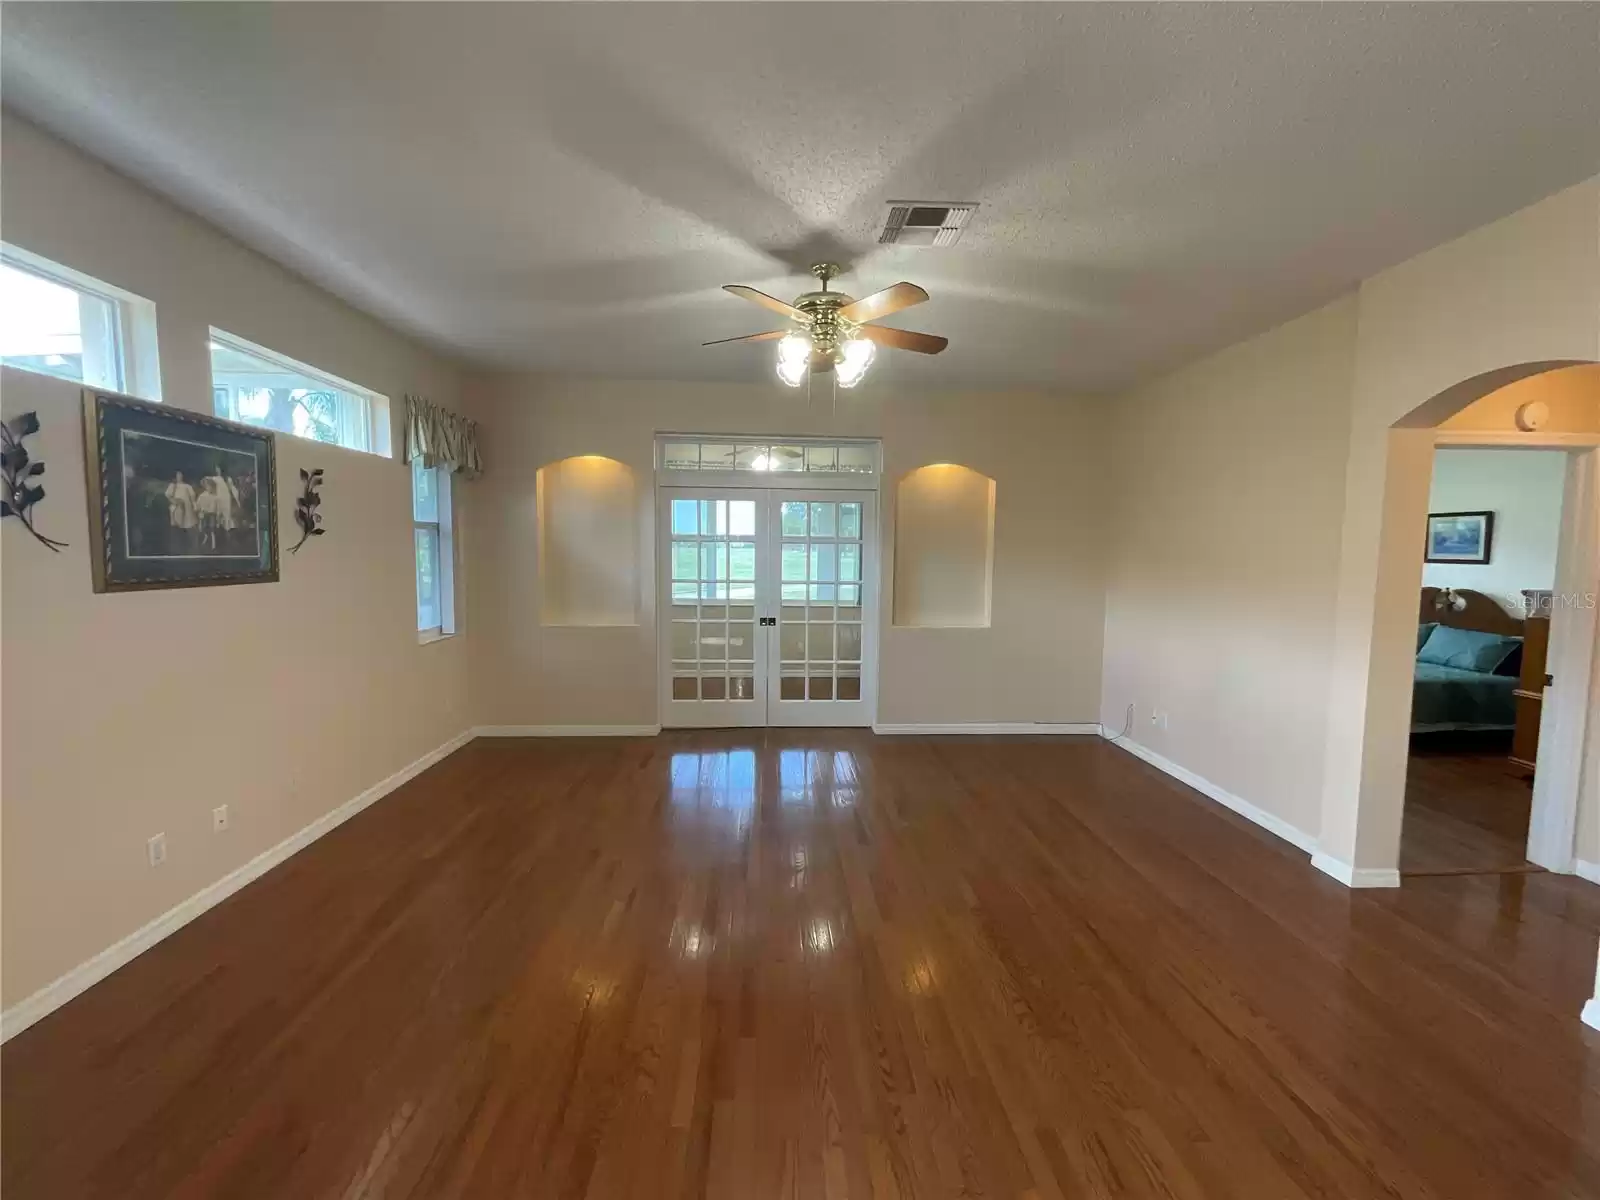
column 1370, row 715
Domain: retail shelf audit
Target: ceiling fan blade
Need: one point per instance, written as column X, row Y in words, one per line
column 881, row 304
column 903, row 339
column 770, row 335
column 766, row 301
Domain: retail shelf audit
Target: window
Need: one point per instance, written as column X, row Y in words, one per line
column 430, row 516
column 830, row 458
column 252, row 384
column 56, row 321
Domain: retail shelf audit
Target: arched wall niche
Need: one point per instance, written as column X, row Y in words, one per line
column 943, row 548
column 588, row 542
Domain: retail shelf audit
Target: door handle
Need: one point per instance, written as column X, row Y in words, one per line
column 769, row 620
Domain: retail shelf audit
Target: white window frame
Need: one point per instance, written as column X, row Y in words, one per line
column 136, row 369
column 376, row 403
column 444, row 531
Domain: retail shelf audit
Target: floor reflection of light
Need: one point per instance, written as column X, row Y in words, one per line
column 920, row 978
column 805, row 776
column 819, row 936
column 845, row 781
column 798, row 862
column 592, row 987
column 691, row 941
column 794, row 778
column 718, row 779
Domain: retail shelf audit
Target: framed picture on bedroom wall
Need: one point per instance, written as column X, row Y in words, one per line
column 177, row 499
column 1460, row 537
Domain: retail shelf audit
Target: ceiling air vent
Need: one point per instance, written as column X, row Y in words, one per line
column 922, row 223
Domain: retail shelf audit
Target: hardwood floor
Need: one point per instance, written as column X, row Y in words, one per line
column 1467, row 807
column 823, row 964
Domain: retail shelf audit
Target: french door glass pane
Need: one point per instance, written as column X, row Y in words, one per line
column 849, row 562
column 822, row 522
column 794, row 561
column 685, row 517
column 685, row 561
column 850, row 519
column 794, row 518
column 713, row 518
column 849, row 642
column 824, row 561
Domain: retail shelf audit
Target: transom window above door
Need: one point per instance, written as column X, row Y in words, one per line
column 804, row 456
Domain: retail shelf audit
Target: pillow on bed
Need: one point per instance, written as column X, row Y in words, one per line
column 1423, row 630
column 1466, row 649
column 1513, row 662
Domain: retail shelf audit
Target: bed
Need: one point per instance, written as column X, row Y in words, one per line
column 1465, row 677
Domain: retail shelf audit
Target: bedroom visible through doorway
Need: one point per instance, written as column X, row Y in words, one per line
column 1483, row 638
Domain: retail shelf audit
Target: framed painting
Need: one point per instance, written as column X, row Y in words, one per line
column 1460, row 537
column 177, row 499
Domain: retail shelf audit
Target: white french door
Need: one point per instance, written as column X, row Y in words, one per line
column 768, row 606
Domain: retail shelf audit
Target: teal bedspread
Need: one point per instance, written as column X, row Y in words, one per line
column 1449, row 698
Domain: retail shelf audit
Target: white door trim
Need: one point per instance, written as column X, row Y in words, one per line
column 1564, row 729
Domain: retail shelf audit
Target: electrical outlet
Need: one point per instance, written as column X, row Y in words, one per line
column 157, row 847
column 219, row 818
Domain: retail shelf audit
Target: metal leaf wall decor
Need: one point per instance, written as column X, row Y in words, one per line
column 306, row 508
column 17, row 469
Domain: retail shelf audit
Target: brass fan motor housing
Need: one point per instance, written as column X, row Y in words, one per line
column 827, row 330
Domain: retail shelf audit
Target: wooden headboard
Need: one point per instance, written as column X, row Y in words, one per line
column 1482, row 613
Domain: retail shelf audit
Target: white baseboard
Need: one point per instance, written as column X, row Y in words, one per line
column 1298, row 838
column 1591, row 1013
column 1587, row 870
column 85, row 975
column 1352, row 877
column 991, row 727
column 499, row 731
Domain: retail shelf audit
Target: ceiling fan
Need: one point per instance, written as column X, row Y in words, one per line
column 831, row 330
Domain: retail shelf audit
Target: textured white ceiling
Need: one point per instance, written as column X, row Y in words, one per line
column 563, row 187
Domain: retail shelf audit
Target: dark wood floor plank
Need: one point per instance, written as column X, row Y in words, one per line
column 822, row 964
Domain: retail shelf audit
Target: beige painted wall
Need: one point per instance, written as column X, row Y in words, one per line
column 1039, row 660
column 1221, row 583
column 134, row 714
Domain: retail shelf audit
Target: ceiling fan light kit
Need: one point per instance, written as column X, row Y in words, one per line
column 831, row 330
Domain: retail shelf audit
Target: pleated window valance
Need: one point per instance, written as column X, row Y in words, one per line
column 440, row 437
